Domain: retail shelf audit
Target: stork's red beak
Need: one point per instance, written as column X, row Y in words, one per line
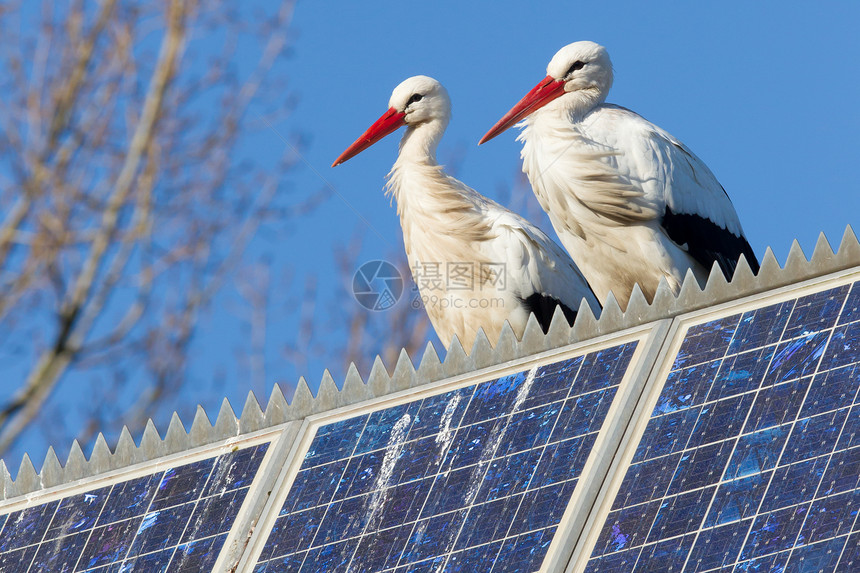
column 390, row 121
column 547, row 90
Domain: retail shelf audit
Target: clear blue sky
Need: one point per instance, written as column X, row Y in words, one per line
column 765, row 93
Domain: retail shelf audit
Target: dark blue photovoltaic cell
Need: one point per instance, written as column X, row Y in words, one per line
column 175, row 520
column 750, row 461
column 474, row 479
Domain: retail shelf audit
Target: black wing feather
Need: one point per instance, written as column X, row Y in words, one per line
column 708, row 242
column 543, row 307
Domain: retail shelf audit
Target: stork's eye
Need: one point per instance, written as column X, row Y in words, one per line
column 577, row 65
column 414, row 98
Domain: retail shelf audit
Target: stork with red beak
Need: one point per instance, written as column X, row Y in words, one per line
column 630, row 202
column 476, row 264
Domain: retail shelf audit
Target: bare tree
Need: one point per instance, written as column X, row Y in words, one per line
column 125, row 198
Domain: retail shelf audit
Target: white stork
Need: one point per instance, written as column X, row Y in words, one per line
column 631, row 203
column 476, row 264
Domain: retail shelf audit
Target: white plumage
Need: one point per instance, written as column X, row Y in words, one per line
column 630, row 202
column 505, row 267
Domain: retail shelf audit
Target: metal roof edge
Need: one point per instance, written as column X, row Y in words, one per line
column 278, row 410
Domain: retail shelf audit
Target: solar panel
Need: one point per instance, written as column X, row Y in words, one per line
column 751, row 457
column 178, row 517
column 472, row 479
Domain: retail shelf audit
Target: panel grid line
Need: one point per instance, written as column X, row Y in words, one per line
column 105, row 527
column 190, row 515
column 756, row 394
column 739, row 393
column 543, row 450
column 457, row 483
column 435, row 476
column 38, row 544
column 95, row 524
column 471, row 495
column 680, row 458
column 746, row 411
column 790, row 432
column 334, row 491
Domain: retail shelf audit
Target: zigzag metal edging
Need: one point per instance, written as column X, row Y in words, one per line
column 303, row 403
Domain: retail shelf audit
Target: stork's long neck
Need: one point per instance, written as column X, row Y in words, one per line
column 419, row 143
column 438, row 215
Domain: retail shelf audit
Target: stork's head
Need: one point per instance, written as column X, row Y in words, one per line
column 578, row 78
column 417, row 100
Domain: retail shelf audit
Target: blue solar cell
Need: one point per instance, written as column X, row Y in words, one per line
column 761, row 327
column 562, row 461
column 833, row 389
column 150, row 563
column 486, row 522
column 774, row 531
column 665, row 556
column 686, row 387
column 465, row 480
column 26, row 526
column 314, row 485
column 757, row 452
column 473, row 559
column 843, row 348
column 701, row 466
column 681, row 514
column 109, row 543
column 851, row 431
column 12, row 560
column 439, row 411
column 793, row 483
column 647, row 480
column 513, row 474
column 129, row 498
column 667, row 434
column 831, row 516
column 850, row 558
column 58, row 554
column 177, row 517
column 843, row 472
column 198, row 555
column 766, row 473
column 798, row 357
column 737, row 499
column 767, row 564
column 523, row 552
column 604, row 368
column 494, row 398
column 705, row 342
column 816, row 312
column 720, row 420
column 577, row 414
column 718, row 546
column 851, row 310
column 234, row 471
column 542, row 506
column 741, row 373
column 337, row 441
column 776, row 405
column 555, row 382
column 77, row 513
column 182, row 484
column 627, row 527
column 380, row 424
column 817, row 557
column 811, row 436
column 160, row 529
